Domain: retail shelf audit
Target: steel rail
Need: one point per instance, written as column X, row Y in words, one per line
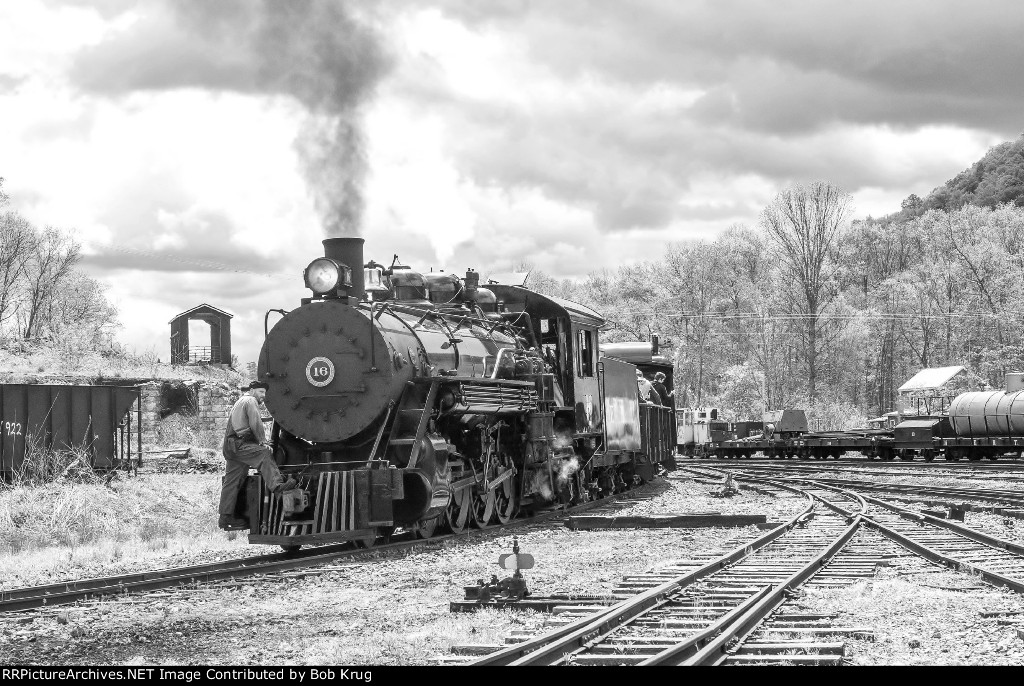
column 553, row 646
column 994, row 578
column 961, row 529
column 691, row 644
column 1013, row 463
column 853, row 470
column 714, row 652
column 30, row 597
column 988, row 495
column 742, row 476
column 115, row 582
column 742, row 621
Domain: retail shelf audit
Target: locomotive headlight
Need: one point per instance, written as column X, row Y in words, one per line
column 322, row 275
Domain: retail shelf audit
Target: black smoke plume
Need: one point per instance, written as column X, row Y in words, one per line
column 316, row 51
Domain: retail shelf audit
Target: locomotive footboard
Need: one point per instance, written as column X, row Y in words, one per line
column 332, row 506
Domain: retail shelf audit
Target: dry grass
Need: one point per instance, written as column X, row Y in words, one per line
column 62, row 530
column 180, row 431
column 43, row 465
column 65, row 360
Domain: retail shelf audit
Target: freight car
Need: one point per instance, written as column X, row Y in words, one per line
column 978, row 425
column 427, row 401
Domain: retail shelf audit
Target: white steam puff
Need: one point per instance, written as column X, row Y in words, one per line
column 541, row 484
column 567, row 470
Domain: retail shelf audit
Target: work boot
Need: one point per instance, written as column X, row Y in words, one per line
column 286, row 486
column 231, row 523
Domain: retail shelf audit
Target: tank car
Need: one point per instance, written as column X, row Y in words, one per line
column 426, row 401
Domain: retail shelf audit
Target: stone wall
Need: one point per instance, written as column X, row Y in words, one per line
column 170, row 409
column 150, row 411
column 214, row 402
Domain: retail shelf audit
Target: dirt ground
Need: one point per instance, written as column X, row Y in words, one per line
column 393, row 608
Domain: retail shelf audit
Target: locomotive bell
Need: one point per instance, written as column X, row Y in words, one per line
column 373, row 278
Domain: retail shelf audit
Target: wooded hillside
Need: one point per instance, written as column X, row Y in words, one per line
column 808, row 309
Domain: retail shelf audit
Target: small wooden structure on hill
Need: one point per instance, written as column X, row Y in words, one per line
column 219, row 349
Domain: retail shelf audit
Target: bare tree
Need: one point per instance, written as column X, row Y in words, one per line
column 80, row 310
column 49, row 266
column 17, row 244
column 804, row 223
column 690, row 277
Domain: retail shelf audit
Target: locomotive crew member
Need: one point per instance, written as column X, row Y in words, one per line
column 244, row 447
column 647, row 393
column 659, row 386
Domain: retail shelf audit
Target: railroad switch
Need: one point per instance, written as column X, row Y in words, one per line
column 512, row 588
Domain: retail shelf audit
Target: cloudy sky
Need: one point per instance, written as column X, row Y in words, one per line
column 201, row 150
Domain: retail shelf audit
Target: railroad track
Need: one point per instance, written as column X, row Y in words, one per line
column 994, row 559
column 30, row 597
column 1005, row 463
column 999, row 496
column 689, row 612
column 898, row 470
column 737, row 607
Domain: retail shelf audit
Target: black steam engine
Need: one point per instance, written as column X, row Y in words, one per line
column 426, row 401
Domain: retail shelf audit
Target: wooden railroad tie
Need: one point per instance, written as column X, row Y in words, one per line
column 678, row 521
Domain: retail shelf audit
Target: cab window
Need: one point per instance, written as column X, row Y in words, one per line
column 585, row 352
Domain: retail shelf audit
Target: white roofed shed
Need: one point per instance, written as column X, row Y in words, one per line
column 930, row 379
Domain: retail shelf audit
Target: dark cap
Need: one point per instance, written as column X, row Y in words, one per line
column 258, row 384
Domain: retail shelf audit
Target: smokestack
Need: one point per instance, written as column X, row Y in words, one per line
column 655, row 342
column 349, row 251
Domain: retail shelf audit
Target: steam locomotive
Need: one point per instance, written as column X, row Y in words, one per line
column 426, row 401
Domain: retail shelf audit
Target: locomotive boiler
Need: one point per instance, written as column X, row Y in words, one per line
column 402, row 399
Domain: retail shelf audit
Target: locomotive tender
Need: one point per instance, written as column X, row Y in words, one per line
column 402, row 399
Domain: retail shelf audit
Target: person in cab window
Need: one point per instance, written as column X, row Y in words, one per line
column 659, row 387
column 646, row 390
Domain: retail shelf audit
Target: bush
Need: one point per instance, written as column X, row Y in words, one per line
column 179, row 430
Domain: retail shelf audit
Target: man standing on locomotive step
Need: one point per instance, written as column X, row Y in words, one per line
column 244, row 447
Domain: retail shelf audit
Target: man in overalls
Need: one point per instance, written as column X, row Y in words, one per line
column 245, row 447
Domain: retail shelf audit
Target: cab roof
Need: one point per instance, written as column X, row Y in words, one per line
column 519, row 299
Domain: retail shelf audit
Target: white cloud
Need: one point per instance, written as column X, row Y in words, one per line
column 563, row 138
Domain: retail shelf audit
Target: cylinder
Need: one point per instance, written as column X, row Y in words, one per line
column 988, row 413
column 349, row 251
